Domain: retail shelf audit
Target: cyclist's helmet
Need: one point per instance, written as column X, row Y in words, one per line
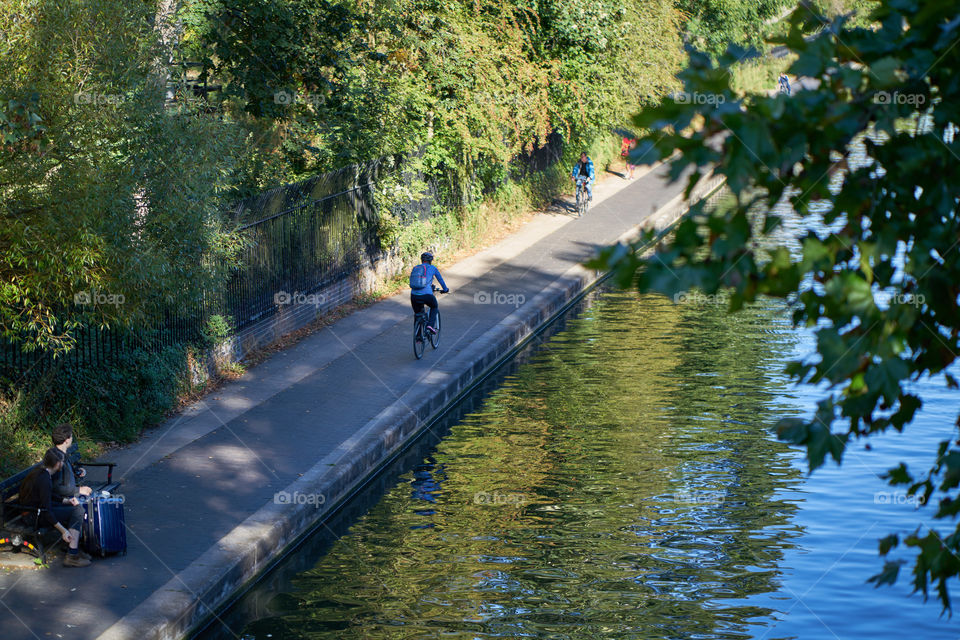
column 426, row 256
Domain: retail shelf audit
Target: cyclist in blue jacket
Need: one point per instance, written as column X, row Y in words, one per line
column 420, row 296
column 585, row 168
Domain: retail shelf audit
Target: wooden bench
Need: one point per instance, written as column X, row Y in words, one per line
column 16, row 520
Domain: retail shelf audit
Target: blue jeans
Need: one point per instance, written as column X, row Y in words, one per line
column 589, row 185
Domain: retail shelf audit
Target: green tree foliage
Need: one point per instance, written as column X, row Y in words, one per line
column 714, row 23
column 327, row 83
column 107, row 196
column 882, row 287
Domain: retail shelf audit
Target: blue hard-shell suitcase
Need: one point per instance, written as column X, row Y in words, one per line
column 104, row 528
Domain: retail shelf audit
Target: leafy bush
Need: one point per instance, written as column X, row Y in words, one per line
column 712, row 24
column 110, row 203
column 218, row 329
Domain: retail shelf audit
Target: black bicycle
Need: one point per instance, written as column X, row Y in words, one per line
column 420, row 332
column 583, row 198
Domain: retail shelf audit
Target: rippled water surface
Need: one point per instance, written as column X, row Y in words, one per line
column 622, row 482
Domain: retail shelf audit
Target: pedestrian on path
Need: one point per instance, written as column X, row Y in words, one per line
column 625, row 146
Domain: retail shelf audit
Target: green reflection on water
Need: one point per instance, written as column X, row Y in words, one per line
column 623, row 483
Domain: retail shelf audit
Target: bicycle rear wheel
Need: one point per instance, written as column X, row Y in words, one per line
column 419, row 342
column 435, row 337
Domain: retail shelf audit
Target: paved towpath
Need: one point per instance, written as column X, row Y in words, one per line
column 193, row 480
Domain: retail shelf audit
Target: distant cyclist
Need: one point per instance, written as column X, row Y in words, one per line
column 784, row 82
column 584, row 168
column 421, row 288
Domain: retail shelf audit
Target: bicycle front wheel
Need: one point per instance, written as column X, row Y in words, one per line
column 435, row 337
column 419, row 343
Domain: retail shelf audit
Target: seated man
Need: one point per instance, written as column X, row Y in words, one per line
column 65, row 487
column 37, row 490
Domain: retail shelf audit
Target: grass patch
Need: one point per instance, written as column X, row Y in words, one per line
column 759, row 75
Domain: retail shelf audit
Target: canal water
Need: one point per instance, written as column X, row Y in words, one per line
column 619, row 480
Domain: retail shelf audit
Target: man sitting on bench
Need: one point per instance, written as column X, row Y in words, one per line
column 37, row 491
column 65, row 489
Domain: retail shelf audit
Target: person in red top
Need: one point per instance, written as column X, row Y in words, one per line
column 625, row 146
column 37, row 491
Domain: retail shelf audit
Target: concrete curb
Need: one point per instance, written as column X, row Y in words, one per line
column 191, row 597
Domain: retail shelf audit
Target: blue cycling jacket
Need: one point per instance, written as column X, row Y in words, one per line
column 432, row 273
column 590, row 171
